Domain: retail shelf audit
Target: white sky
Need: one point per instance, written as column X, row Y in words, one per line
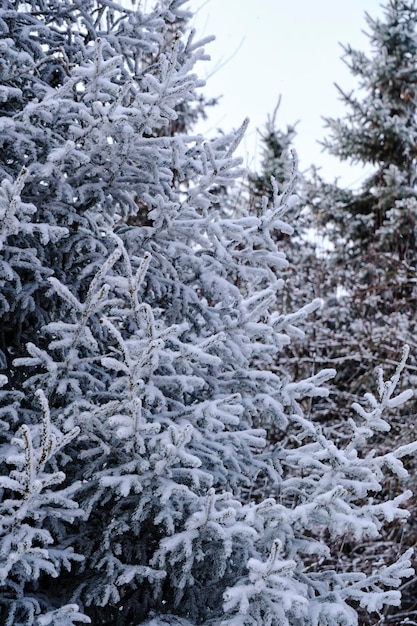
column 265, row 48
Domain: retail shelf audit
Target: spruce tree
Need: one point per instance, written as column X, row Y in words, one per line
column 371, row 298
column 379, row 130
column 374, row 228
column 141, row 342
column 370, row 304
column 306, row 277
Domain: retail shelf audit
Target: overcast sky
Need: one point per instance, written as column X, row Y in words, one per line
column 265, row 48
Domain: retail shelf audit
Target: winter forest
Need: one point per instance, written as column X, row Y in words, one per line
column 207, row 417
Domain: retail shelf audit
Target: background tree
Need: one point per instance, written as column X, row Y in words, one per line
column 370, row 296
column 368, row 275
column 306, row 276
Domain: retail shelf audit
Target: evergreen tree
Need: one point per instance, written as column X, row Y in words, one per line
column 276, row 162
column 380, row 130
column 374, row 228
column 370, row 302
column 306, row 276
column 141, row 337
column 370, row 299
column 69, row 71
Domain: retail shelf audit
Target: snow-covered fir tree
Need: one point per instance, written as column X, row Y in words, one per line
column 377, row 223
column 379, row 130
column 306, row 276
column 276, row 160
column 140, row 346
column 371, row 301
column 368, row 284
